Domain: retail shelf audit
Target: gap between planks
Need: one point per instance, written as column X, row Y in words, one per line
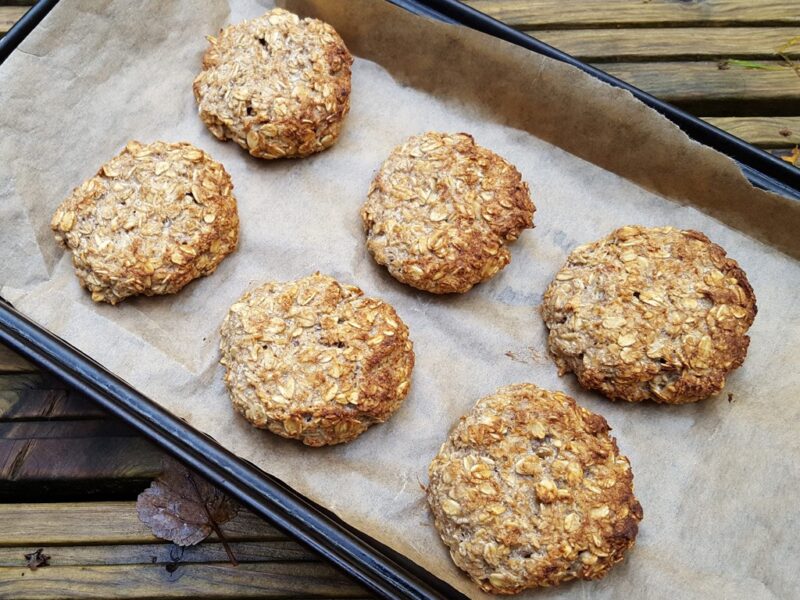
column 248, row 580
column 527, row 14
column 664, row 44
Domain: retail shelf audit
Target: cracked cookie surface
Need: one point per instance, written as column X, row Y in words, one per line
column 154, row 218
column 650, row 313
column 529, row 489
column 441, row 211
column 277, row 85
column 315, row 360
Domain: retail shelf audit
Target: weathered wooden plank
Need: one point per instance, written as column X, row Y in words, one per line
column 767, row 132
column 65, row 460
column 57, row 430
column 678, row 43
column 10, row 15
column 163, row 553
column 12, row 454
column 630, row 13
column 77, row 460
column 44, row 455
column 51, row 404
column 28, row 393
column 11, row 362
column 256, row 580
column 12, row 382
column 35, row 394
column 704, row 88
column 75, row 523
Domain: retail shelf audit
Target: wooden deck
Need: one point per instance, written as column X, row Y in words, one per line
column 69, row 473
column 734, row 63
column 69, row 477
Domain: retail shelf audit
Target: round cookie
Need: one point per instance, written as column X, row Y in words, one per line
column 277, row 85
column 441, row 210
column 650, row 313
column 529, row 489
column 315, row 360
column 154, row 218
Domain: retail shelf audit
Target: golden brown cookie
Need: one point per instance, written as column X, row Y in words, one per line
column 315, row 360
column 154, row 218
column 278, row 85
column 654, row 313
column 529, row 489
column 442, row 209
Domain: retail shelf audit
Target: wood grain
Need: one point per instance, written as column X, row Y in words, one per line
column 76, row 461
column 38, row 380
column 10, row 15
column 767, row 132
column 679, row 43
column 43, row 454
column 11, row 362
column 257, row 580
column 160, row 553
column 702, row 87
column 47, row 404
column 57, row 430
column 35, row 395
column 76, row 523
column 632, row 13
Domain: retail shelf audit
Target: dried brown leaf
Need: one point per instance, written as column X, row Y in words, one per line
column 183, row 508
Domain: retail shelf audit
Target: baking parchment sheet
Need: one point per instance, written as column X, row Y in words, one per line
column 718, row 480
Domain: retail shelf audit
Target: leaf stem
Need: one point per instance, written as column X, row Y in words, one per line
column 213, row 522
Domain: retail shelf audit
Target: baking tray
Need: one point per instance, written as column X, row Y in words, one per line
column 376, row 566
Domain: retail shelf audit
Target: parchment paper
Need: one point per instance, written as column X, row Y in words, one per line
column 718, row 480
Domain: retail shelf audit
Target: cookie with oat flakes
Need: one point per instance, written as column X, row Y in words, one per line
column 154, row 218
column 315, row 360
column 278, row 85
column 441, row 211
column 529, row 489
column 650, row 313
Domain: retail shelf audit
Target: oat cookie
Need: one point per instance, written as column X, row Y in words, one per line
column 442, row 209
column 315, row 360
column 650, row 313
column 154, row 218
column 529, row 489
column 278, row 85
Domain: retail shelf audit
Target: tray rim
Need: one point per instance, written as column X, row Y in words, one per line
column 20, row 30
column 371, row 563
column 761, row 168
column 378, row 567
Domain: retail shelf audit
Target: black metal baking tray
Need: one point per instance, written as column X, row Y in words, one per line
column 376, row 566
